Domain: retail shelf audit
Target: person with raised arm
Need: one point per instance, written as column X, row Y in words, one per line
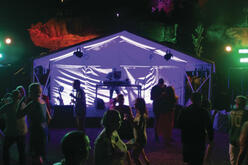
column 39, row 117
column 13, row 133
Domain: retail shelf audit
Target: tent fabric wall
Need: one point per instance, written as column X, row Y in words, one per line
column 90, row 76
column 140, row 60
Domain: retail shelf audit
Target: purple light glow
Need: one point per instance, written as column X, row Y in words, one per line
column 129, row 53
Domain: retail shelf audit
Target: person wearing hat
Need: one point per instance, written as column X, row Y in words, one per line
column 237, row 118
column 75, row 147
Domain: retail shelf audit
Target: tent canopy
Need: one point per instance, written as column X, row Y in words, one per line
column 141, row 60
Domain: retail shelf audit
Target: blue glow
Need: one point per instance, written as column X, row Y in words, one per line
column 125, row 51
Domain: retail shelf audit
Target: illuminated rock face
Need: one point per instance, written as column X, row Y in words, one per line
column 54, row 35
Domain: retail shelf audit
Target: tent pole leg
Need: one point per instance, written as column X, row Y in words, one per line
column 210, row 85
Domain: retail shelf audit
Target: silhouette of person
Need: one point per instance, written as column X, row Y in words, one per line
column 109, row 148
column 39, row 117
column 126, row 129
column 157, row 95
column 114, row 76
column 13, row 133
column 195, row 124
column 75, row 148
column 79, row 105
column 243, row 141
column 140, row 136
column 166, row 117
column 238, row 117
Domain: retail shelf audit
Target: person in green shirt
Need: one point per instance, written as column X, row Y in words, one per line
column 243, row 142
column 237, row 118
column 109, row 148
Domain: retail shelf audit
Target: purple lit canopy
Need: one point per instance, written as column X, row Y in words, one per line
column 140, row 60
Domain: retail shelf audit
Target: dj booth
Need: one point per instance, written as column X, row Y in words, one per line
column 107, row 84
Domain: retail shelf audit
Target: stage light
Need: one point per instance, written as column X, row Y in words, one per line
column 78, row 53
column 1, row 55
column 228, row 48
column 243, row 60
column 168, row 55
column 8, row 41
column 243, row 51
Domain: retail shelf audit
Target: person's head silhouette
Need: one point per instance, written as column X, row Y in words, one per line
column 75, row 147
column 76, row 84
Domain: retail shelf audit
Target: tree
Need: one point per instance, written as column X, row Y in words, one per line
column 197, row 39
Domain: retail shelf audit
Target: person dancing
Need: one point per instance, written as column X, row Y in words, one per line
column 79, row 105
column 39, row 118
column 13, row 132
column 126, row 129
column 140, row 136
column 109, row 148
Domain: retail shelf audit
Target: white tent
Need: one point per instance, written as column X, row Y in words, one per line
column 140, row 60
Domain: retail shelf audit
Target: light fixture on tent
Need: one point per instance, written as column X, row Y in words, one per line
column 168, row 55
column 78, row 53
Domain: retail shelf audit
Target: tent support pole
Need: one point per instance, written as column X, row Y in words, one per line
column 210, row 84
column 33, row 76
column 36, row 77
column 45, row 87
column 189, row 82
column 202, row 84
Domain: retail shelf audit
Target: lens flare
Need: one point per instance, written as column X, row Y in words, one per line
column 228, row 48
column 8, row 41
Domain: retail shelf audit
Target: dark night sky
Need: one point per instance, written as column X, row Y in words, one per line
column 17, row 16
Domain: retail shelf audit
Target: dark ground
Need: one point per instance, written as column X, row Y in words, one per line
column 156, row 152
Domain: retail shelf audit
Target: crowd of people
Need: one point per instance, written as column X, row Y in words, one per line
column 16, row 107
column 124, row 136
